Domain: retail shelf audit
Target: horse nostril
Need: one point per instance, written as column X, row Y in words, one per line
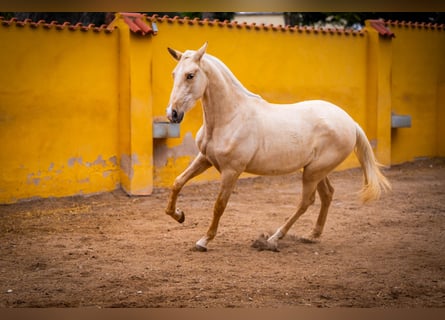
column 174, row 115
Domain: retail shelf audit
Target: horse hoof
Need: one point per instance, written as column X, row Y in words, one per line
column 181, row 215
column 262, row 244
column 310, row 239
column 200, row 248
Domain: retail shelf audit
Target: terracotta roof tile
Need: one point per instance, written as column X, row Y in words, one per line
column 137, row 25
column 409, row 24
column 251, row 26
column 54, row 24
column 135, row 22
column 379, row 25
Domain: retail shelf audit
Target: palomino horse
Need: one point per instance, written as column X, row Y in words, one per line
column 242, row 132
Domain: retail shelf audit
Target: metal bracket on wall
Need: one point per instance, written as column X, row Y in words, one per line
column 400, row 121
column 165, row 130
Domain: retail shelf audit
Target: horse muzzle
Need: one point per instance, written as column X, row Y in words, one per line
column 174, row 116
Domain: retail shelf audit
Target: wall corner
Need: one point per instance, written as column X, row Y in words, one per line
column 379, row 89
column 135, row 111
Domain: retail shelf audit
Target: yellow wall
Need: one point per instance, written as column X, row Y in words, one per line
column 77, row 107
column 418, row 89
column 58, row 112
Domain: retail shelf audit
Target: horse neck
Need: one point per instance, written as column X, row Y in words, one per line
column 222, row 98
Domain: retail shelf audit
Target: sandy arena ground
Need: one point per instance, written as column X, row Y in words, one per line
column 111, row 250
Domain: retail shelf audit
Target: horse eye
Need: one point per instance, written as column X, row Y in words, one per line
column 190, row 76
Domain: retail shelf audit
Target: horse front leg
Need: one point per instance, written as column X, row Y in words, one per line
column 198, row 166
column 228, row 182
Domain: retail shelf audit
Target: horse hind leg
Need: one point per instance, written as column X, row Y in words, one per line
column 314, row 178
column 326, row 191
column 308, row 198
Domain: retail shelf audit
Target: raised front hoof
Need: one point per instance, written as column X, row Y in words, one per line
column 178, row 215
column 181, row 216
column 262, row 244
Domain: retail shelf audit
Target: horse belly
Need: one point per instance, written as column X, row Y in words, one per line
column 272, row 168
column 275, row 159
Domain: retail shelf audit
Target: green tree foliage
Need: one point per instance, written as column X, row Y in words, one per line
column 348, row 19
column 97, row 18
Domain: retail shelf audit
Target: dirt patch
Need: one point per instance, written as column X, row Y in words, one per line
column 111, row 250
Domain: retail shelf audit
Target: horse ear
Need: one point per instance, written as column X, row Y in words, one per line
column 200, row 52
column 175, row 54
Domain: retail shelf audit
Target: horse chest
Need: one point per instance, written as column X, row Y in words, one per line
column 211, row 153
column 219, row 150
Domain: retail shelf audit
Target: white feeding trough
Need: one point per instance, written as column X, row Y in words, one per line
column 164, row 129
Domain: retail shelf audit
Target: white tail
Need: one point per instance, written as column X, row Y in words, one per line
column 374, row 180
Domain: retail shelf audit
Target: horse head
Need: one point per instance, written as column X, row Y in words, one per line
column 189, row 82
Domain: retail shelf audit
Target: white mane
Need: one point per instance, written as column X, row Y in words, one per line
column 222, row 67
